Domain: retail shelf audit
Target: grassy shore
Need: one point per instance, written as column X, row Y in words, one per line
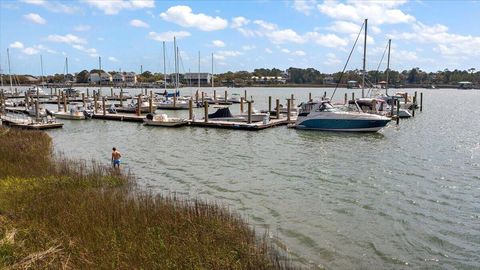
column 57, row 213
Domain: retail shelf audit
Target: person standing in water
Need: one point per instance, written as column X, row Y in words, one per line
column 116, row 157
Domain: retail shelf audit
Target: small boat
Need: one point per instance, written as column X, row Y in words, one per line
column 234, row 98
column 322, row 115
column 132, row 107
column 76, row 112
column 32, row 111
column 223, row 114
column 163, row 120
column 168, row 104
column 34, row 90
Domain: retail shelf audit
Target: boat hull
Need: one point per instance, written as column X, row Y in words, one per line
column 70, row 116
column 176, row 123
column 343, row 122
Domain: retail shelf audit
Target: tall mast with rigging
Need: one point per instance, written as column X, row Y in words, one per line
column 364, row 59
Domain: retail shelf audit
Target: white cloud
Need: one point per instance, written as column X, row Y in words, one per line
column 90, row 51
column 267, row 50
column 284, row 36
column 218, row 43
column 182, row 15
column 447, row 44
column 332, row 59
column 35, row 18
column 168, row 36
column 285, row 50
column 299, row 53
column 345, row 27
column 16, row 45
column 240, row 21
column 265, row 25
column 248, row 47
column 53, row 6
column 111, row 7
column 327, row 40
column 222, row 55
column 30, row 51
column 139, row 23
column 377, row 12
column 82, row 28
column 112, row 59
column 304, row 6
column 68, row 38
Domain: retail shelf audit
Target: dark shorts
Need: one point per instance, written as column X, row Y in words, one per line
column 116, row 162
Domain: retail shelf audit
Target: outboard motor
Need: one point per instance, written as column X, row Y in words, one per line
column 150, row 116
column 87, row 114
column 49, row 113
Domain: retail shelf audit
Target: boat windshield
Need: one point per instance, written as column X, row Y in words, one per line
column 327, row 107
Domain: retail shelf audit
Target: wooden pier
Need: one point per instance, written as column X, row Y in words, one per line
column 241, row 125
column 120, row 117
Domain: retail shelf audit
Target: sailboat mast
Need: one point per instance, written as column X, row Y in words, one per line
column 388, row 66
column 178, row 70
column 41, row 66
column 364, row 59
column 198, row 69
column 175, row 61
column 212, row 72
column 1, row 73
column 9, row 69
column 164, row 68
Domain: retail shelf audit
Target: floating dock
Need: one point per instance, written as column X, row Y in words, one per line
column 242, row 125
column 120, row 117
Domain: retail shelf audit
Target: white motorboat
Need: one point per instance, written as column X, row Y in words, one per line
column 170, row 105
column 322, row 115
column 32, row 111
column 34, row 90
column 163, row 120
column 76, row 112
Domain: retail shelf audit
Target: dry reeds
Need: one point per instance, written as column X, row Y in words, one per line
column 57, row 213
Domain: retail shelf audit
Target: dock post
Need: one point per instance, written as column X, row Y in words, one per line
column 103, row 106
column 190, row 109
column 289, row 104
column 26, row 100
column 292, row 99
column 51, row 91
column 269, row 104
column 245, row 94
column 310, row 97
column 205, row 107
column 421, row 101
column 36, row 110
column 16, row 92
column 99, row 92
column 353, row 95
column 392, row 105
column 111, row 91
column 226, row 96
column 277, row 108
column 196, row 96
column 95, row 102
column 150, row 104
column 249, row 118
column 83, row 100
column 121, row 97
column 203, row 97
column 398, row 111
column 139, row 104
column 325, row 95
column 64, row 103
column 215, row 95
column 414, row 105
column 241, row 105
column 58, row 103
column 88, row 93
column 145, row 91
column 345, row 100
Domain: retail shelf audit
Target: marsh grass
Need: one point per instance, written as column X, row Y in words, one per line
column 57, row 213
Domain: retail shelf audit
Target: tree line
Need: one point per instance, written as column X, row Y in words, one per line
column 291, row 75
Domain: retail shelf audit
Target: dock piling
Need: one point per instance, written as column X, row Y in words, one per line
column 205, row 107
column 95, row 102
column 353, row 95
column 310, row 97
column 226, row 96
column 241, row 105
column 291, row 99
column 64, row 102
column 103, row 106
column 398, row 111
column 346, row 98
column 196, row 96
column 215, row 95
column 414, row 105
column 139, row 105
column 190, row 109
column 277, row 108
column 421, row 101
column 249, row 119
column 203, row 97
column 88, row 92
column 83, row 100
column 245, row 94
column 111, row 91
column 58, row 103
column 150, row 104
column 36, row 110
column 121, row 97
column 269, row 104
column 289, row 104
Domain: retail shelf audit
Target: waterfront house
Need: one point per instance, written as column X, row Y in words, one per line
column 205, row 78
column 118, row 78
column 130, row 77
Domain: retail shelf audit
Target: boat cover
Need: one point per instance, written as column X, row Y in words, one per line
column 221, row 113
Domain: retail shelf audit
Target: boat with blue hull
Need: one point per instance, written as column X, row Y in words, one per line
column 323, row 115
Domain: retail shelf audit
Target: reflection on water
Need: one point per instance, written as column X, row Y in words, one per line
column 405, row 197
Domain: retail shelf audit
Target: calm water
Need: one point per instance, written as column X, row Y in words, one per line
column 408, row 197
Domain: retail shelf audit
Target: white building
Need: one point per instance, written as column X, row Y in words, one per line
column 118, row 78
column 102, row 78
column 130, row 77
column 105, row 78
column 93, row 78
column 205, row 78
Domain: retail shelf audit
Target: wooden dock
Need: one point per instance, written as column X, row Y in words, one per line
column 120, row 117
column 241, row 125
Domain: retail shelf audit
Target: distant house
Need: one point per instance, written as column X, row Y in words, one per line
column 94, row 78
column 118, row 78
column 105, row 78
column 130, row 77
column 465, row 85
column 99, row 78
column 328, row 80
column 205, row 78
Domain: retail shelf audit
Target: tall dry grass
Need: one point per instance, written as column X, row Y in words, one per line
column 57, row 213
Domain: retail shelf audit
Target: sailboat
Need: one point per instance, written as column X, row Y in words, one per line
column 322, row 115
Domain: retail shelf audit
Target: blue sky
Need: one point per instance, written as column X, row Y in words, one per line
column 242, row 35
